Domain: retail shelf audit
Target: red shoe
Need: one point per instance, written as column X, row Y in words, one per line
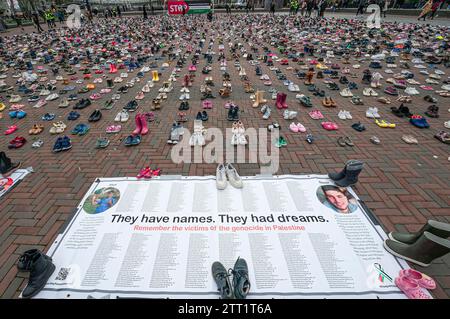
column 144, row 172
column 17, row 142
column 11, row 129
column 137, row 120
column 279, row 103
column 144, row 126
column 156, row 172
column 98, row 72
column 283, row 101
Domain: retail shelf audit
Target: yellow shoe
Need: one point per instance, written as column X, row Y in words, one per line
column 390, row 125
column 2, row 106
column 381, row 123
column 155, row 76
column 321, row 66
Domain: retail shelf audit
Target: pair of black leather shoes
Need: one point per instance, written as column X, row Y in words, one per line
column 95, row 116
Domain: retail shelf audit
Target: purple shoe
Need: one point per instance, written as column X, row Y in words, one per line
column 391, row 90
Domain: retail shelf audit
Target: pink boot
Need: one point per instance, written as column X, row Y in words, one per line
column 138, row 121
column 279, row 100
column 144, row 125
column 283, row 101
column 112, row 68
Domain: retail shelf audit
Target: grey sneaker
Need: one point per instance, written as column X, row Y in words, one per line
column 222, row 280
column 241, row 282
column 221, row 177
column 233, row 176
column 267, row 112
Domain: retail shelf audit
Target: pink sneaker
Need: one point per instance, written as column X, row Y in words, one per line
column 11, row 130
column 145, row 172
column 95, row 96
column 421, row 279
column 410, row 288
column 293, row 127
column 301, row 128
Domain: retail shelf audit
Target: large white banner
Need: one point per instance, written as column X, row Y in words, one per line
column 301, row 236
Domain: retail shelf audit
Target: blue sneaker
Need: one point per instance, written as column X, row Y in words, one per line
column 22, row 88
column 48, row 116
column 129, row 140
column 76, row 129
column 73, row 116
column 136, row 140
column 66, row 143
column 57, row 147
column 13, row 114
column 84, row 129
column 21, row 114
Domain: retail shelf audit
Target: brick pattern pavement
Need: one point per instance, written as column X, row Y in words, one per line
column 404, row 185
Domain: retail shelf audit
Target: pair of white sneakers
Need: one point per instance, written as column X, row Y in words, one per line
column 122, row 116
column 372, row 112
column 238, row 137
column 185, row 96
column 197, row 138
column 344, row 115
column 227, row 172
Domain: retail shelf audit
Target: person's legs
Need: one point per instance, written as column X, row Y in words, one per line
column 432, row 14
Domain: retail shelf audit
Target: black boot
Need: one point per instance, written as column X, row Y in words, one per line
column 351, row 175
column 5, row 164
column 341, row 174
column 41, row 269
column 25, row 260
column 110, row 83
column 432, row 226
column 422, row 252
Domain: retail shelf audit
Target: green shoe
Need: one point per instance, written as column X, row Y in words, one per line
column 83, row 90
column 108, row 105
column 102, row 142
column 283, row 141
column 278, row 143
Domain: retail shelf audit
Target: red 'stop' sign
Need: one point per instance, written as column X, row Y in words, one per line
column 176, row 7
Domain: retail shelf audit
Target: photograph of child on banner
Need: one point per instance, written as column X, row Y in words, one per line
column 102, row 200
column 337, row 198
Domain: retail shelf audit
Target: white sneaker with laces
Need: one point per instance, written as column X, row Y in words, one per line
column 411, row 91
column 348, row 116
column 233, row 176
column 221, row 177
column 341, row 115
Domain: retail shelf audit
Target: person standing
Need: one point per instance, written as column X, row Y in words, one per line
column 272, row 7
column 36, row 22
column 426, row 10
column 322, row 7
column 119, row 13
column 309, row 7
column 435, row 7
column 48, row 18
column 60, row 14
column 360, row 7
column 152, row 9
column 303, row 7
column 144, row 11
column 383, row 7
column 18, row 21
